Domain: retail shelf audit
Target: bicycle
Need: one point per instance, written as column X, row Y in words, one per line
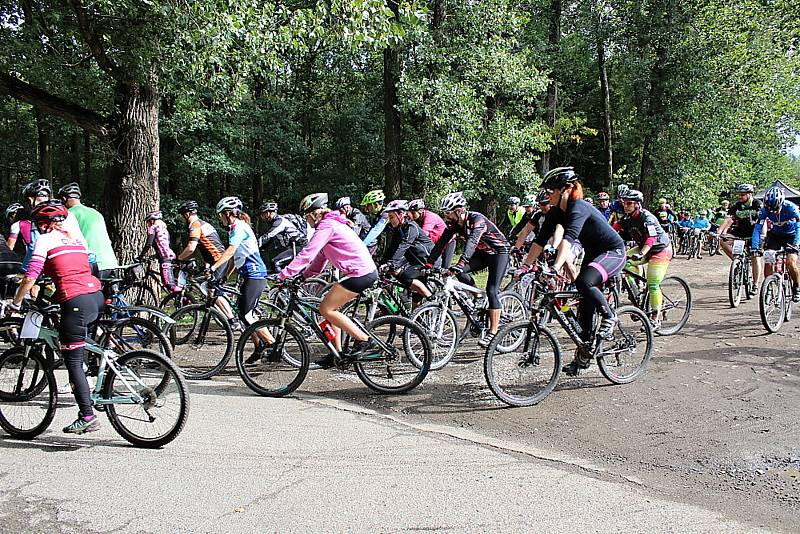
column 278, row 369
column 694, row 249
column 137, row 390
column 740, row 274
column 676, row 304
column 523, row 361
column 775, row 304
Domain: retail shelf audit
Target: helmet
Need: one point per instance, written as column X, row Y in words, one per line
column 590, row 200
column 35, row 187
column 774, row 198
column 373, row 197
column 313, row 202
column 230, row 204
column 268, row 206
column 396, row 205
column 725, row 203
column 13, row 209
column 633, row 194
column 745, row 188
column 622, row 189
column 342, row 202
column 154, row 215
column 71, row 190
column 662, row 200
column 188, row 206
column 416, row 204
column 542, row 198
column 452, row 201
column 559, row 177
column 52, row 211
column 512, row 200
column 528, row 200
column 603, row 196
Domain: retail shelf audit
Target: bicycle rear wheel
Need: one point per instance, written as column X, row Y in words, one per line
column 441, row 327
column 676, row 305
column 26, row 407
column 736, row 285
column 772, row 303
column 623, row 358
column 393, row 370
column 136, row 333
column 141, row 294
column 527, row 373
column 149, row 399
column 203, row 341
column 272, row 370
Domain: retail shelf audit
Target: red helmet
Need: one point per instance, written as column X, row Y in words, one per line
column 49, row 212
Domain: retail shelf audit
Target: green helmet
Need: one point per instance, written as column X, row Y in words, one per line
column 373, row 197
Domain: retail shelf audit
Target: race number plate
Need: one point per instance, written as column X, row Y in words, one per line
column 769, row 256
column 31, row 325
column 738, row 247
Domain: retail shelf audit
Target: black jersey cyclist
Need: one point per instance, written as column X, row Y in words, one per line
column 408, row 248
column 605, row 251
column 485, row 247
column 355, row 217
column 282, row 231
column 740, row 221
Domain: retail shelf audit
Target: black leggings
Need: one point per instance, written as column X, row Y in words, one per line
column 76, row 314
column 497, row 265
column 594, row 273
column 8, row 267
column 250, row 290
column 408, row 275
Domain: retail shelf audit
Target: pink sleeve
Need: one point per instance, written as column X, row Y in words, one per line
column 38, row 257
column 651, row 240
column 309, row 255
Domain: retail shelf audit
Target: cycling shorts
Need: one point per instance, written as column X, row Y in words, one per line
column 359, row 283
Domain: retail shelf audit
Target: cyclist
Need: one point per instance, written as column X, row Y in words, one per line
column 616, row 207
column 284, row 232
column 653, row 248
column 514, row 214
column 603, row 201
column 19, row 219
column 739, row 222
column 373, row 205
column 355, row 218
column 65, row 259
column 408, row 248
column 784, row 232
column 485, row 247
column 9, row 265
column 700, row 226
column 333, row 241
column 664, row 214
column 529, row 206
column 604, row 248
column 93, row 228
column 158, row 238
column 719, row 215
column 211, row 249
column 534, row 225
column 433, row 226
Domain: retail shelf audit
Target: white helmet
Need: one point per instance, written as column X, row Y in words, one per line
column 229, row 204
column 452, row 201
column 396, row 205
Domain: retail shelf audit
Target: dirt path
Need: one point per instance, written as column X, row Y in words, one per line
column 715, row 421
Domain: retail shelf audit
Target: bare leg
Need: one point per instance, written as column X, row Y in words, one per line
column 337, row 297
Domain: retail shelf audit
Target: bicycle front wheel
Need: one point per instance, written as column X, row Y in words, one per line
column 202, row 342
column 392, row 369
column 624, row 358
column 274, row 370
column 136, row 333
column 526, row 373
column 28, row 393
column 736, row 285
column 772, row 303
column 676, row 305
column 146, row 399
column 441, row 327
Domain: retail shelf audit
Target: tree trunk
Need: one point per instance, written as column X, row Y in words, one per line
column 551, row 101
column 607, row 138
column 45, row 149
column 392, row 141
column 655, row 113
column 87, row 159
column 133, row 184
column 75, row 157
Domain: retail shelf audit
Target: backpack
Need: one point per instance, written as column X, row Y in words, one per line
column 297, row 221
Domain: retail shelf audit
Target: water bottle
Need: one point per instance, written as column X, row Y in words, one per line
column 327, row 330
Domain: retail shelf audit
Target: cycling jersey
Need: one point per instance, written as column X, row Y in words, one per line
column 93, row 228
column 158, row 238
column 744, row 216
column 432, row 225
column 70, row 226
column 702, row 224
column 22, row 229
column 65, row 259
column 361, row 224
column 536, row 222
column 606, row 212
column 664, row 216
column 581, row 222
column 617, row 211
column 643, row 228
column 407, row 243
column 211, row 247
column 784, row 223
column 479, row 234
column 246, row 257
column 284, row 232
column 514, row 233
column 377, row 229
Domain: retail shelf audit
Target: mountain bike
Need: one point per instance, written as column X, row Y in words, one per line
column 523, row 361
column 775, row 298
column 694, row 247
column 740, row 274
column 143, row 394
column 398, row 364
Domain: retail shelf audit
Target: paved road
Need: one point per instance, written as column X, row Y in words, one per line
column 249, row 464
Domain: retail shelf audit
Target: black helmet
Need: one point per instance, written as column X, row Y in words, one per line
column 559, row 177
column 188, row 206
column 71, row 190
column 542, row 198
column 745, row 188
column 32, row 189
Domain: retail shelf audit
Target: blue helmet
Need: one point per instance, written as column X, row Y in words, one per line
column 774, row 198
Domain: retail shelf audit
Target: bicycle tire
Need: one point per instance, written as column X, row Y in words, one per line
column 771, row 299
column 14, row 399
column 736, row 282
column 443, row 345
column 294, row 367
column 154, row 336
column 141, row 294
column 613, row 355
column 186, row 353
column 379, row 373
column 162, row 371
column 683, row 300
column 527, row 390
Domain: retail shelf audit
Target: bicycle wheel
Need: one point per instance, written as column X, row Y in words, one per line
column 441, row 327
column 528, row 373
column 736, row 285
column 393, row 370
column 26, row 408
column 141, row 294
column 136, row 333
column 10, row 328
column 148, row 399
column 275, row 370
column 203, row 341
column 623, row 358
column 676, row 305
column 787, row 292
column 772, row 303
column 174, row 302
